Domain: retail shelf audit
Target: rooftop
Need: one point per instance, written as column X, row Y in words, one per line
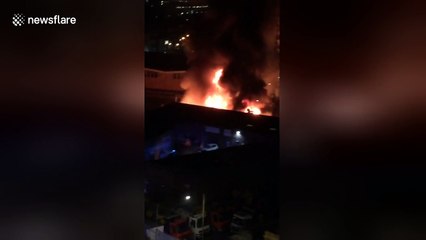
column 159, row 120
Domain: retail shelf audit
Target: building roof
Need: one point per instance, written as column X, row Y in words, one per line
column 165, row 118
column 165, row 61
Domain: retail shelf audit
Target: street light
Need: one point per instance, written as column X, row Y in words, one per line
column 203, row 211
column 203, row 215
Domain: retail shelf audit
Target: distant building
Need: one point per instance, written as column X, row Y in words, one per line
column 163, row 80
column 162, row 87
column 163, row 77
column 168, row 22
column 186, row 8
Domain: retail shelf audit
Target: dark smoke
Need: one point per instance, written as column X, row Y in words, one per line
column 235, row 30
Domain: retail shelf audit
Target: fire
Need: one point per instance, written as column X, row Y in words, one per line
column 253, row 110
column 217, row 76
column 252, row 107
column 216, row 101
column 219, row 97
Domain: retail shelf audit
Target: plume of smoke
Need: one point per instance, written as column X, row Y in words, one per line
column 239, row 36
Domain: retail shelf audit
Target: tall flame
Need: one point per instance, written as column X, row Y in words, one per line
column 219, row 97
column 216, row 78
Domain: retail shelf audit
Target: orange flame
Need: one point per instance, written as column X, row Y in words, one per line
column 219, row 97
column 252, row 107
column 216, row 101
column 253, row 110
column 217, row 76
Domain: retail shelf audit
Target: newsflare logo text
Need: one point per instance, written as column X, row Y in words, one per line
column 19, row 20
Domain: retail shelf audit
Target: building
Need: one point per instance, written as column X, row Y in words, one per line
column 181, row 129
column 163, row 76
column 168, row 23
column 162, row 87
column 190, row 8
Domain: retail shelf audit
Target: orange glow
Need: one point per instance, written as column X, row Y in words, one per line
column 218, row 96
column 252, row 107
column 217, row 76
column 216, row 101
column 253, row 110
